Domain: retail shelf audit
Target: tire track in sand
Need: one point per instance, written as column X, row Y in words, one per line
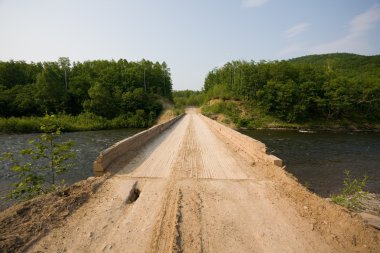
column 179, row 220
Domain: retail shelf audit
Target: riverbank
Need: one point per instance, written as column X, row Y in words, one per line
column 237, row 115
column 81, row 122
column 370, row 204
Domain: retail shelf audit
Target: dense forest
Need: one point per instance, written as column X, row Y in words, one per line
column 184, row 98
column 112, row 94
column 122, row 91
column 318, row 87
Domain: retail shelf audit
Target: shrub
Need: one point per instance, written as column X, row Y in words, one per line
column 352, row 192
column 41, row 163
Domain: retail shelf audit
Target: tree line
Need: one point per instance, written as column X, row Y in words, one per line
column 323, row 87
column 184, row 98
column 105, row 88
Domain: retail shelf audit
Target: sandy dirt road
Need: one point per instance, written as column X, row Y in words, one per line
column 198, row 193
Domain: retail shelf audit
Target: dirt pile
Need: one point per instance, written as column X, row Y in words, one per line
column 25, row 223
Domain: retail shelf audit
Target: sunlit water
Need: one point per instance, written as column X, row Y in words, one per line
column 319, row 159
column 87, row 147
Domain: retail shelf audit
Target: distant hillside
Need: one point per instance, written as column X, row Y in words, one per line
column 341, row 88
column 340, row 58
column 344, row 63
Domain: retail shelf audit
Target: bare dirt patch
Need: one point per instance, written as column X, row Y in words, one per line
column 167, row 115
column 27, row 222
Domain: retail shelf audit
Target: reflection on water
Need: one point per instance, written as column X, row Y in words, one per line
column 87, row 147
column 319, row 159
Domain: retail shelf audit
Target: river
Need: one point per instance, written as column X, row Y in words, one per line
column 316, row 159
column 319, row 159
column 87, row 147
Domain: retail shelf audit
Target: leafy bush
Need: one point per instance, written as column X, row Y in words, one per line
column 221, row 91
column 178, row 110
column 352, row 192
column 40, row 165
column 228, row 108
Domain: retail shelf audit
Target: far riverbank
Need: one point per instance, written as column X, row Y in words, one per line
column 81, row 122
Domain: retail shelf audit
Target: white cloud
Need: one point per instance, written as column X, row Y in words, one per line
column 356, row 41
column 366, row 21
column 296, row 47
column 291, row 49
column 254, row 3
column 297, row 29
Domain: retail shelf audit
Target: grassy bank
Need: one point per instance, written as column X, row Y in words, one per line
column 81, row 122
column 240, row 114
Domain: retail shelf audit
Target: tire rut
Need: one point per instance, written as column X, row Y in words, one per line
column 169, row 236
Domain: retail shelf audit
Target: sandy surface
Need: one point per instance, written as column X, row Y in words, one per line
column 198, row 193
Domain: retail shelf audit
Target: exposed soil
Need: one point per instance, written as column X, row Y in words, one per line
column 190, row 190
column 27, row 222
column 167, row 115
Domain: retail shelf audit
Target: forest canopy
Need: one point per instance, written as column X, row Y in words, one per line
column 323, row 87
column 103, row 88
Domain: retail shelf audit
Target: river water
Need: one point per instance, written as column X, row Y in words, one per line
column 319, row 159
column 87, row 147
column 316, row 159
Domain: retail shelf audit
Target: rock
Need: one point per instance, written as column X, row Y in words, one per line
column 371, row 219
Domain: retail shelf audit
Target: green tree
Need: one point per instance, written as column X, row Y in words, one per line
column 24, row 102
column 64, row 64
column 101, row 101
column 51, row 94
column 318, row 87
column 41, row 164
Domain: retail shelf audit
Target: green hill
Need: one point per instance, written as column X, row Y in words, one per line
column 331, row 89
column 344, row 63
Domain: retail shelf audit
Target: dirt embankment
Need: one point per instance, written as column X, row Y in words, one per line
column 167, row 113
column 27, row 222
column 192, row 189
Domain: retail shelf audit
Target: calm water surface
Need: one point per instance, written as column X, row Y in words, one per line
column 319, row 159
column 87, row 147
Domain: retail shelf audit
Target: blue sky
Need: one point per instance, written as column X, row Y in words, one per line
column 192, row 36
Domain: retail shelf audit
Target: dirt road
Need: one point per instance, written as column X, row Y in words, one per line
column 191, row 191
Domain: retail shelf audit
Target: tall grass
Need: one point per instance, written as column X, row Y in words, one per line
column 20, row 125
column 81, row 122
